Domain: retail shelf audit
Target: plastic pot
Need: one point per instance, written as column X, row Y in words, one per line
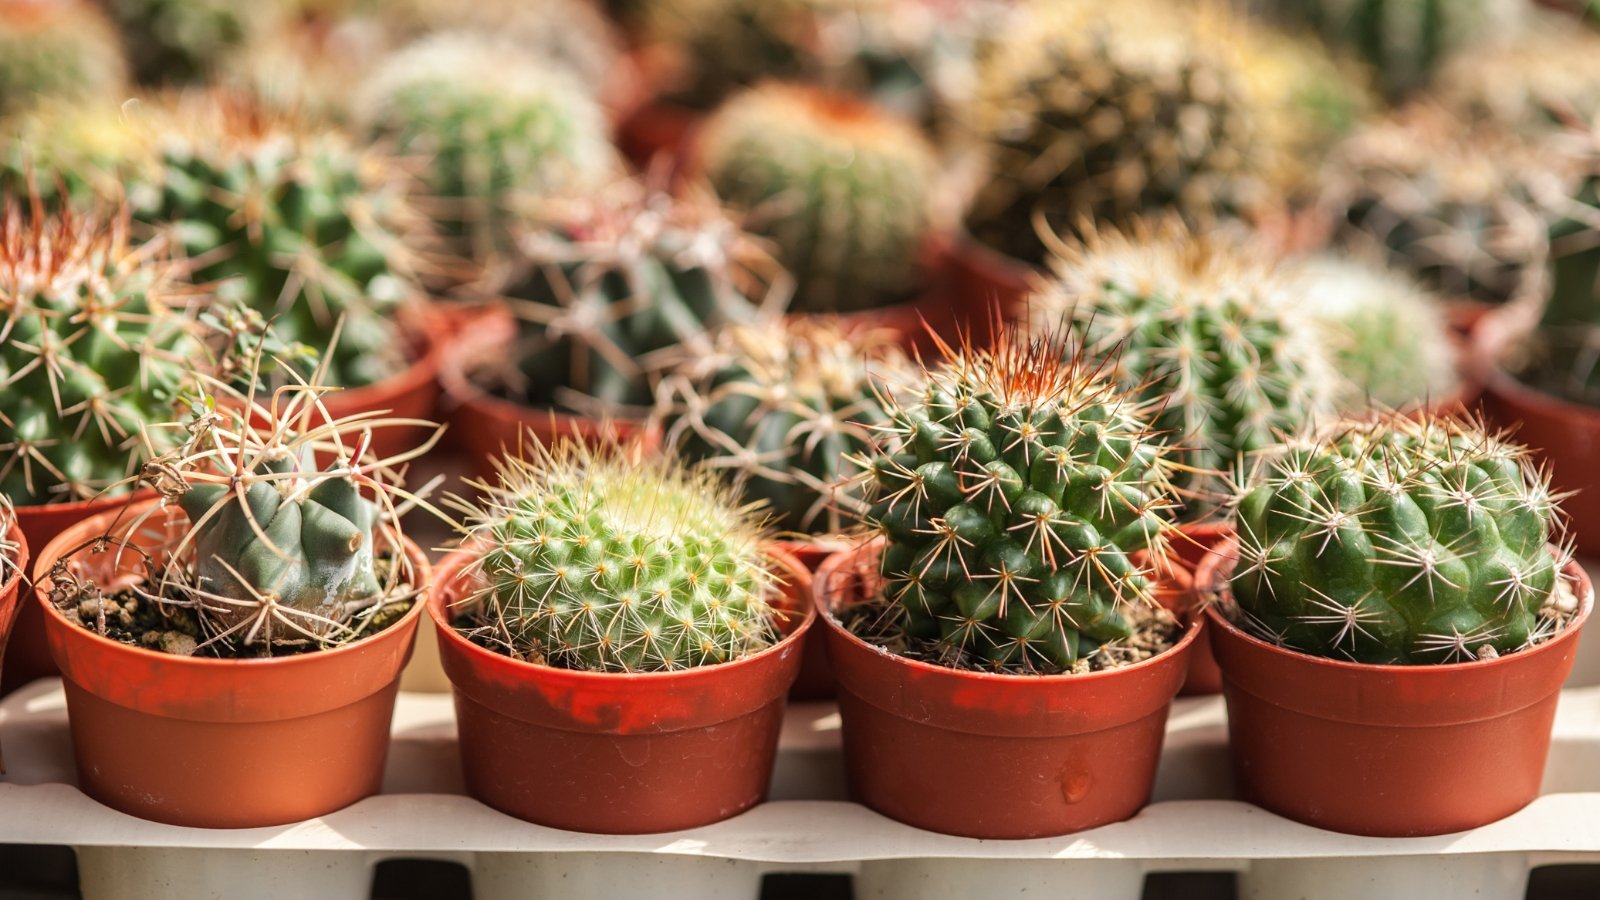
column 987, row 755
column 1189, row 549
column 220, row 743
column 994, row 288
column 412, row 393
column 11, row 589
column 618, row 753
column 815, row 681
column 1388, row 750
column 26, row 654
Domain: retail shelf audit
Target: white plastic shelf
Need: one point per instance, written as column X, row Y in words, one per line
column 808, row 825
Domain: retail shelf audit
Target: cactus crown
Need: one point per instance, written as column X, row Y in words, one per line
column 605, row 286
column 602, row 561
column 1017, row 493
column 1207, row 326
column 94, row 348
column 56, row 49
column 784, row 410
column 844, row 190
column 1395, row 540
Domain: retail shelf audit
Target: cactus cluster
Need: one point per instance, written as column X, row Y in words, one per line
column 56, row 49
column 599, row 561
column 844, row 191
column 784, row 411
column 602, row 287
column 1016, row 494
column 95, row 345
column 1206, row 325
column 1398, row 541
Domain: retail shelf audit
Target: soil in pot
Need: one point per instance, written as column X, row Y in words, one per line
column 214, row 742
column 618, row 753
column 989, row 755
column 1389, row 750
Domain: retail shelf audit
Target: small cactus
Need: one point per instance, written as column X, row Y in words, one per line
column 598, row 561
column 783, row 411
column 844, row 191
column 95, row 345
column 57, row 49
column 1208, row 326
column 1398, row 541
column 1015, row 494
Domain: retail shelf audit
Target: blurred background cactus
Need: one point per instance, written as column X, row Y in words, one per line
column 1541, row 81
column 1016, row 492
column 604, row 562
column 784, row 412
column 57, row 49
column 846, row 192
column 1398, row 541
column 182, row 41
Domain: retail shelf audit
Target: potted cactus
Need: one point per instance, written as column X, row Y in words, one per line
column 620, row 639
column 601, row 291
column 1002, row 638
column 1395, row 622
column 257, row 611
column 96, row 345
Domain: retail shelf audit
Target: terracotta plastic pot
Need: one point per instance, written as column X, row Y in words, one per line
column 659, row 135
column 815, row 681
column 1386, row 750
column 412, row 393
column 1189, row 550
column 616, row 753
column 10, row 589
column 994, row 287
column 986, row 755
column 26, row 654
column 218, row 743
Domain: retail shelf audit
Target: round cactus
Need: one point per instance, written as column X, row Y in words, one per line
column 56, row 49
column 596, row 561
column 177, row 41
column 1397, row 541
column 784, row 411
column 845, row 192
column 96, row 347
column 1387, row 335
column 1015, row 493
column 492, row 128
column 1206, row 325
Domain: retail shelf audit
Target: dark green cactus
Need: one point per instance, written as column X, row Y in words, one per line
column 181, row 41
column 1398, row 541
column 1564, row 360
column 784, row 411
column 599, row 561
column 57, row 50
column 1015, row 494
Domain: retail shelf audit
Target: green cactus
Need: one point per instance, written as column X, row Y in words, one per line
column 181, row 41
column 783, row 411
column 1014, row 494
column 1398, row 541
column 57, row 49
column 598, row 561
column 95, row 345
column 1208, row 326
column 607, row 286
column 1533, row 84
column 572, row 35
column 1387, row 335
column 1564, row 360
column 845, row 192
column 492, row 129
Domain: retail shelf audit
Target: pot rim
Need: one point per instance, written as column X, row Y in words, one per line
column 93, row 504
column 20, row 562
column 825, row 612
column 421, row 367
column 1488, row 341
column 56, row 549
column 1223, row 622
column 452, row 571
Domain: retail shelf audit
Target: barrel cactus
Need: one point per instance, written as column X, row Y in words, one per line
column 1015, row 493
column 57, row 49
column 845, row 191
column 597, row 561
column 1398, row 541
column 1208, row 326
column 491, row 127
column 97, row 345
column 783, row 411
column 604, row 288
column 1387, row 335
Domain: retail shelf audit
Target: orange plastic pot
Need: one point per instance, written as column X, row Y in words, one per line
column 616, row 753
column 26, row 655
column 994, row 288
column 659, row 135
column 987, row 755
column 412, row 393
column 11, row 589
column 217, row 743
column 1384, row 750
column 1189, row 549
column 815, row 681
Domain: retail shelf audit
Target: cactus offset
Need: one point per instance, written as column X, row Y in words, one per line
column 783, row 411
column 1014, row 493
column 845, row 191
column 1398, row 541
column 96, row 345
column 597, row 561
column 57, row 49
column 1206, row 325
